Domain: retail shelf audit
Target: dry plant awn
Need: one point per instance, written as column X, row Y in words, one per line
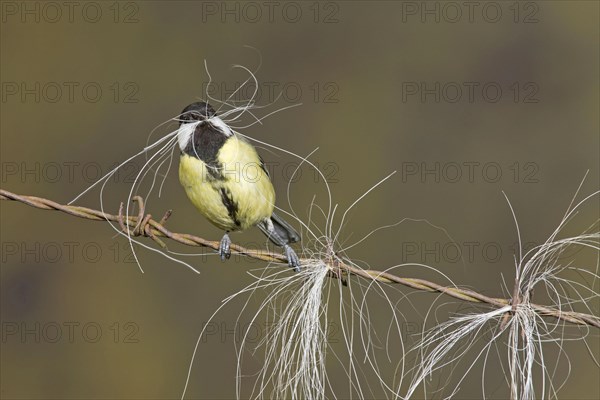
column 530, row 325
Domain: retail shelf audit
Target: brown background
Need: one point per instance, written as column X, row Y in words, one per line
column 360, row 56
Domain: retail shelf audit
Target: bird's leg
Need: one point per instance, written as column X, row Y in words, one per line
column 225, row 247
column 292, row 258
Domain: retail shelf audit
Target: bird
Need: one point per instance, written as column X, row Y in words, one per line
column 227, row 181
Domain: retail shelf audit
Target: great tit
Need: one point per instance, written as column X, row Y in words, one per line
column 227, row 181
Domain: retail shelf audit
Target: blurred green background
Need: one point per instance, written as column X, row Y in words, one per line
column 383, row 86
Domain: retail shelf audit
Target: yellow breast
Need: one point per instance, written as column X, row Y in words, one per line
column 241, row 177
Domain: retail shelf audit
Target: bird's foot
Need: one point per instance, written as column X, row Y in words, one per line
column 225, row 247
column 293, row 260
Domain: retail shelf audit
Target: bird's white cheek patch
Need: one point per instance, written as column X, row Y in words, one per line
column 184, row 134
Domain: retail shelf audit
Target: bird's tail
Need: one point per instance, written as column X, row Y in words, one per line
column 280, row 232
column 285, row 230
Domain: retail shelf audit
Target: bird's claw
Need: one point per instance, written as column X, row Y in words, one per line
column 293, row 260
column 225, row 248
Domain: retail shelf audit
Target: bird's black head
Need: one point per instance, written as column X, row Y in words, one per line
column 198, row 111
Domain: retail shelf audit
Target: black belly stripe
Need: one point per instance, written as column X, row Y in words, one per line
column 230, row 205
